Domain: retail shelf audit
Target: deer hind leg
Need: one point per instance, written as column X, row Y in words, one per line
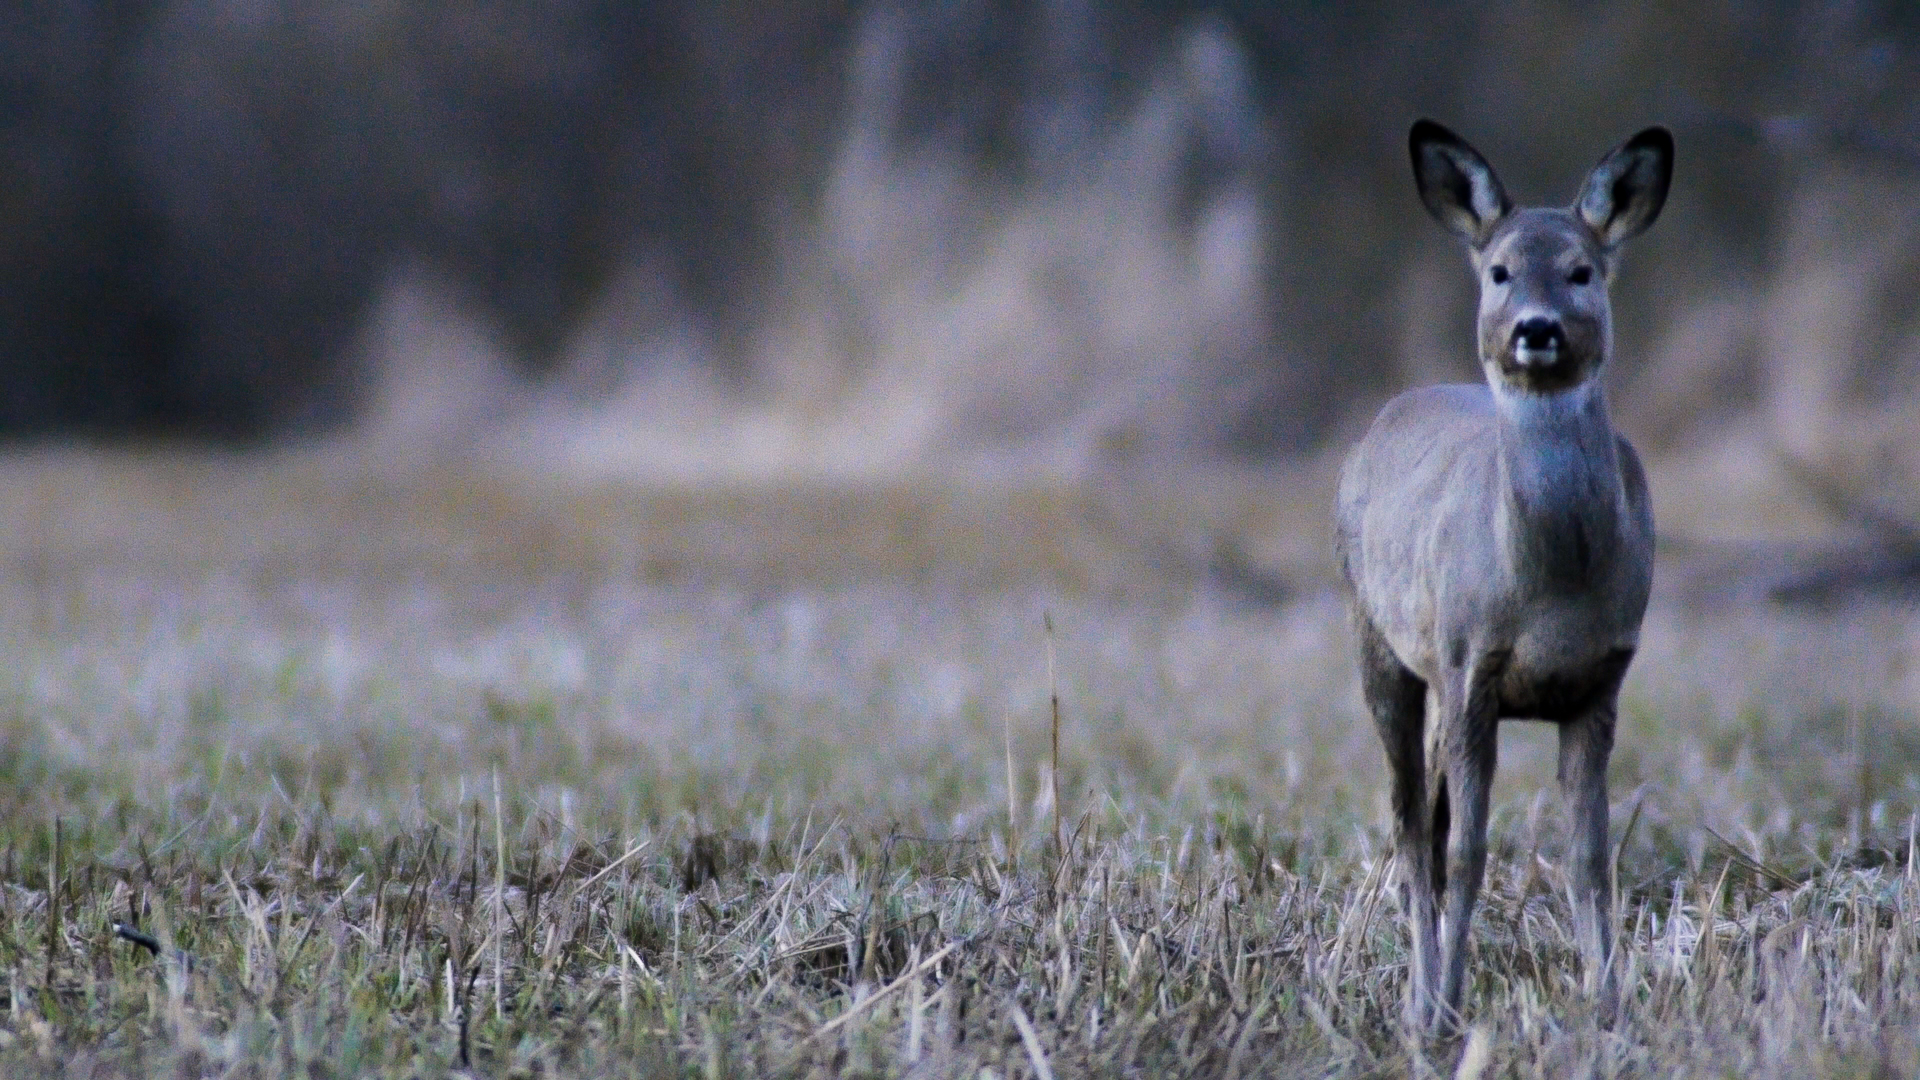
column 1470, row 709
column 1397, row 699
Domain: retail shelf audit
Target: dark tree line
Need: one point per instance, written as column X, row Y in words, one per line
column 199, row 201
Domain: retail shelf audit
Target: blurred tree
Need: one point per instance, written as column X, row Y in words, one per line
column 1157, row 223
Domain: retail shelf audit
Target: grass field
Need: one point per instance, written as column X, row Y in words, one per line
column 462, row 772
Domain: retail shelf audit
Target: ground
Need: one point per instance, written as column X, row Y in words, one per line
column 403, row 773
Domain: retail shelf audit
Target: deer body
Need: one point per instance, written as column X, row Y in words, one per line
column 1498, row 543
column 1481, row 523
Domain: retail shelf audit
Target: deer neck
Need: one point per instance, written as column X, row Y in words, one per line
column 1561, row 497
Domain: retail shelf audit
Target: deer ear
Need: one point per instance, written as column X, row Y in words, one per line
column 1456, row 183
column 1623, row 195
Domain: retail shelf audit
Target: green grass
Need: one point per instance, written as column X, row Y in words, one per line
column 523, row 805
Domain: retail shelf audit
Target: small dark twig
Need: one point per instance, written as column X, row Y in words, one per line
column 1753, row 864
column 54, row 880
column 145, row 941
column 1059, row 882
column 1053, row 700
column 128, row 932
column 466, row 1017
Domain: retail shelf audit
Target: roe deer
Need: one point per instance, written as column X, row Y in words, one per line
column 1498, row 542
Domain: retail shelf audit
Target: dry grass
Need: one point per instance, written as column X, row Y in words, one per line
column 462, row 774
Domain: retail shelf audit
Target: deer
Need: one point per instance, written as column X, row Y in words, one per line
column 1496, row 540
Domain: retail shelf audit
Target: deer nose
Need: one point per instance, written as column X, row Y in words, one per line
column 1539, row 334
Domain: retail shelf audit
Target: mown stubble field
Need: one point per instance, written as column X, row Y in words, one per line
column 462, row 772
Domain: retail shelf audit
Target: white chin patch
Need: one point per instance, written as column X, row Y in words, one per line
column 1535, row 357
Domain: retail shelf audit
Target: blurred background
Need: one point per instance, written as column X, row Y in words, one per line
column 849, row 239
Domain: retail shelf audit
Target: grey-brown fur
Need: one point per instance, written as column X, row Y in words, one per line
column 1498, row 541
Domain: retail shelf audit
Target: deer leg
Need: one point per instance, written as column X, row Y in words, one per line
column 1471, row 746
column 1397, row 699
column 1585, row 744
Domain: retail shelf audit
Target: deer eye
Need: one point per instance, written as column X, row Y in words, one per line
column 1581, row 275
column 1499, row 275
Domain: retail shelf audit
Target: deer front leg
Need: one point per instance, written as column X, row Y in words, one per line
column 1585, row 744
column 1413, row 848
column 1472, row 714
column 1397, row 699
